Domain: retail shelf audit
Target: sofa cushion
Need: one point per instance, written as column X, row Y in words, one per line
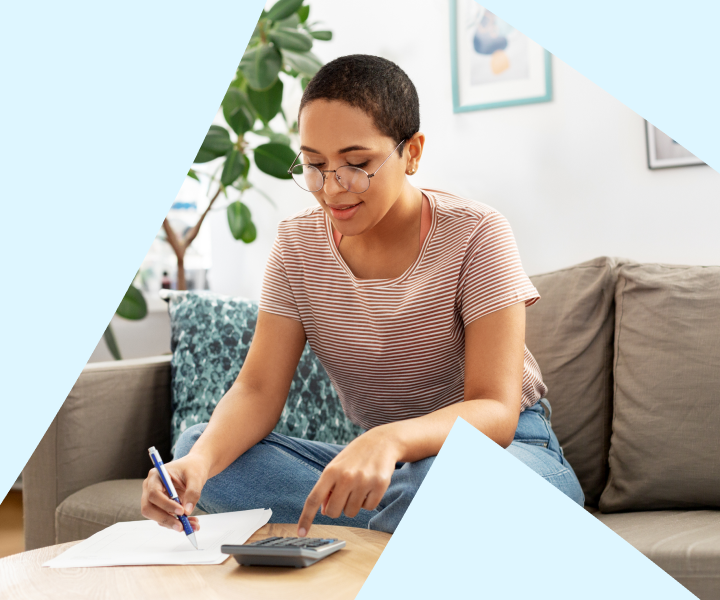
column 98, row 506
column 210, row 338
column 684, row 543
column 570, row 333
column 665, row 446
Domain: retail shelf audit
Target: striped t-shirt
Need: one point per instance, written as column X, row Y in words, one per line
column 395, row 348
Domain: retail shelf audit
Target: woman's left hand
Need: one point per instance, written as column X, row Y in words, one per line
column 356, row 478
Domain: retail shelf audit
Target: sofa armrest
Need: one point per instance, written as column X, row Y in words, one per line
column 113, row 414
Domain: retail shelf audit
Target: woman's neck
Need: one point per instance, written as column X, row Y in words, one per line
column 402, row 220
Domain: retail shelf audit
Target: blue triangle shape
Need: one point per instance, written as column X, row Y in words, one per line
column 484, row 525
column 637, row 52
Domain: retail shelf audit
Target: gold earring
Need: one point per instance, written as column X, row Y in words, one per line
column 411, row 172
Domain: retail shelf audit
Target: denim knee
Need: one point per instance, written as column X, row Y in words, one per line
column 187, row 439
column 404, row 484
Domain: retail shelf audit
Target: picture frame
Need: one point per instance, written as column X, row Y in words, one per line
column 663, row 152
column 493, row 65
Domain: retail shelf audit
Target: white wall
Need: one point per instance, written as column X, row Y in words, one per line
column 136, row 339
column 570, row 175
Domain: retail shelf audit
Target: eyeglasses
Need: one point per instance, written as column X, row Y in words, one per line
column 353, row 179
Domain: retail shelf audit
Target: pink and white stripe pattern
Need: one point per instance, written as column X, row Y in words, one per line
column 394, row 348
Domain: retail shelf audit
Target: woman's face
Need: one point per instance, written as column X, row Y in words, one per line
column 334, row 134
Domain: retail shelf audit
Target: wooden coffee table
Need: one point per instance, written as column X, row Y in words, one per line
column 338, row 576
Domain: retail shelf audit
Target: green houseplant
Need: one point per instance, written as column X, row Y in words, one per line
column 280, row 48
column 132, row 307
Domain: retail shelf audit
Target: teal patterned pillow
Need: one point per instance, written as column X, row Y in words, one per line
column 210, row 339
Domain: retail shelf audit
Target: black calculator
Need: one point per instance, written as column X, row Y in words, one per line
column 283, row 551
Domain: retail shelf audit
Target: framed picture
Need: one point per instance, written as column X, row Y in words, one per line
column 664, row 152
column 493, row 64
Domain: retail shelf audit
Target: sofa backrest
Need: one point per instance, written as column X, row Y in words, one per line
column 570, row 333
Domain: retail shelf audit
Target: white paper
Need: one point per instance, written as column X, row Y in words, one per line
column 147, row 543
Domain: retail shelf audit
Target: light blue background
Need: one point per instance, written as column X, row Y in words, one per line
column 659, row 58
column 484, row 525
column 103, row 107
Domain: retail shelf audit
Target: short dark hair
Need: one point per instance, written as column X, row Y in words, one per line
column 377, row 86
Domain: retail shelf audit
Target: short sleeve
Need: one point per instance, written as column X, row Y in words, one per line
column 492, row 277
column 276, row 296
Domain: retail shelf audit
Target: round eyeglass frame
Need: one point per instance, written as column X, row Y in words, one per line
column 337, row 178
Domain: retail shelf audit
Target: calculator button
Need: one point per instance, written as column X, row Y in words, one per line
column 264, row 542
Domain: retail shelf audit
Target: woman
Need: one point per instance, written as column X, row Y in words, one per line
column 414, row 301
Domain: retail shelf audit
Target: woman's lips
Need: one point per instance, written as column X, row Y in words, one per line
column 346, row 213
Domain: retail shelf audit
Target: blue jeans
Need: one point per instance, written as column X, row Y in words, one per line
column 279, row 471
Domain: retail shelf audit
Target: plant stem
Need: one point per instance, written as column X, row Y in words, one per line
column 179, row 246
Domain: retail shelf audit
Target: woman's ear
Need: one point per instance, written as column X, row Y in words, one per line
column 413, row 151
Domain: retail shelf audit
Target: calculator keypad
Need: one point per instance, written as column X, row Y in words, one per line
column 292, row 542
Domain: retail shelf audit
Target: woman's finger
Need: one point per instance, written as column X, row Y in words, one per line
column 373, row 498
column 338, row 499
column 354, row 502
column 315, row 498
column 157, row 494
column 160, row 516
column 159, row 498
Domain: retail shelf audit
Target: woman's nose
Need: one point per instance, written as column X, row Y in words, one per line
column 332, row 186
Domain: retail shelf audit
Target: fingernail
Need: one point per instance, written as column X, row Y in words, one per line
column 188, row 507
column 179, row 510
column 177, row 527
column 302, row 532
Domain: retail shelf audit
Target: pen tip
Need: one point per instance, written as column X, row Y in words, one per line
column 193, row 541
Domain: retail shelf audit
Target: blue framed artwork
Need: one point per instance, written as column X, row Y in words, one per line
column 493, row 64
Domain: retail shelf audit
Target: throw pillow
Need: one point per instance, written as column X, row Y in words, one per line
column 210, row 338
column 665, row 445
column 570, row 334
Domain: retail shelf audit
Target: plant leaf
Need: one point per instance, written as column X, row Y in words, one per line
column 238, row 218
column 324, row 36
column 239, row 82
column 292, row 22
column 242, row 184
column 216, row 143
column 236, row 112
column 306, row 63
column 236, row 165
column 283, row 9
column 267, row 103
column 218, row 130
column 264, row 130
column 204, row 156
column 280, row 138
column 291, row 39
column 133, row 305
column 111, row 343
column 193, row 175
column 255, row 37
column 303, row 13
column 261, row 66
column 249, row 234
column 274, row 159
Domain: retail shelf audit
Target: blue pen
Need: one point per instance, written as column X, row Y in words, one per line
column 167, row 482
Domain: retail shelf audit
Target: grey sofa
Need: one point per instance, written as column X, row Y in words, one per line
column 631, row 355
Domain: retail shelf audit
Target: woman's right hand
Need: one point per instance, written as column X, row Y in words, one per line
column 188, row 475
